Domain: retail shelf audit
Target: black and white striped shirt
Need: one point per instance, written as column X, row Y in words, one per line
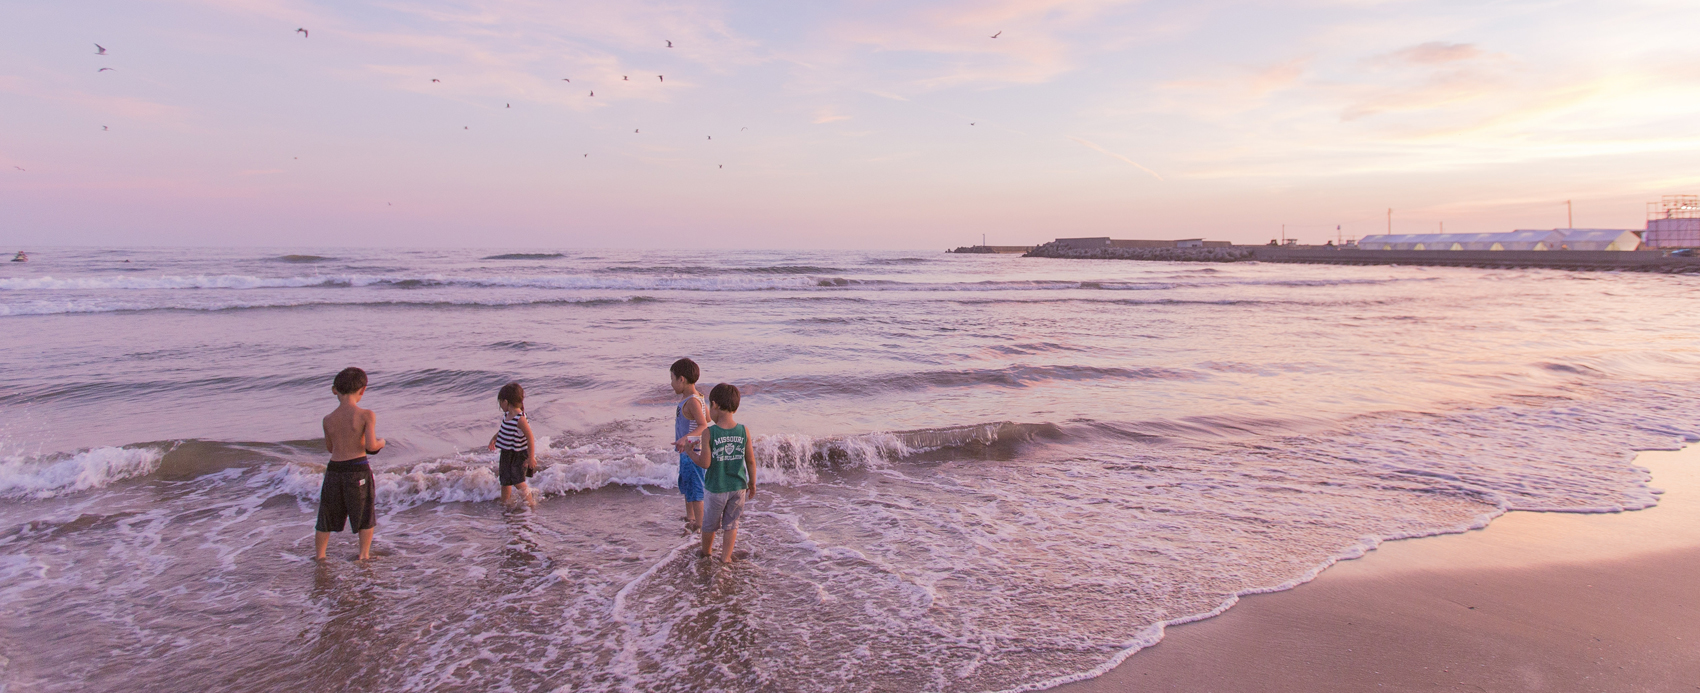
column 509, row 436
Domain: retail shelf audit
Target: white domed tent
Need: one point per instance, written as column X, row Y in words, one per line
column 1600, row 239
column 1515, row 240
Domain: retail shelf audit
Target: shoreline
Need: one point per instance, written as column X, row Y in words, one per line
column 1534, row 601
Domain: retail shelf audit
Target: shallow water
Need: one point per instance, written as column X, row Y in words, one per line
column 980, row 473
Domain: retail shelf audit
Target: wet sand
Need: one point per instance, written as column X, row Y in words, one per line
column 1535, row 602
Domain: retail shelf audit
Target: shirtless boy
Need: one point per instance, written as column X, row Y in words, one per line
column 347, row 494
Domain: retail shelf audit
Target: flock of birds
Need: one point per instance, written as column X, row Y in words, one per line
column 101, row 50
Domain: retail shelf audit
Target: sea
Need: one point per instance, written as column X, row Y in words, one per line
column 977, row 472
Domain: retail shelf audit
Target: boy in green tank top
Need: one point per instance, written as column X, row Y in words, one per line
column 730, row 477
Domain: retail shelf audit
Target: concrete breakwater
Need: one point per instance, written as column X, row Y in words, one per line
column 1229, row 254
column 1621, row 260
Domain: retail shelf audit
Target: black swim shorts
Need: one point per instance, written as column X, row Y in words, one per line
column 510, row 468
column 347, row 494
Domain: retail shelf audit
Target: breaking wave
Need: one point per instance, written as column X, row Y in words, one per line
column 46, row 477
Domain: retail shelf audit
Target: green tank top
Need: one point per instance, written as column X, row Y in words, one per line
column 726, row 472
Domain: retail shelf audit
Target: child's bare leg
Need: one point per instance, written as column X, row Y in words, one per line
column 731, row 540
column 525, row 492
column 707, row 545
column 321, row 540
column 365, row 544
column 505, row 493
column 693, row 513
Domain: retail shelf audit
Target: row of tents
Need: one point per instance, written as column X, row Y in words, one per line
column 1555, row 239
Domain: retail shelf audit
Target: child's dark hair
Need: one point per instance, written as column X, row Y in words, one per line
column 349, row 381
column 513, row 394
column 687, row 369
column 725, row 396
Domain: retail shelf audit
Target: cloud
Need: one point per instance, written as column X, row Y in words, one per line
column 828, row 115
column 1431, row 53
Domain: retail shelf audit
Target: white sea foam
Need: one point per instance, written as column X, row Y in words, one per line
column 45, row 477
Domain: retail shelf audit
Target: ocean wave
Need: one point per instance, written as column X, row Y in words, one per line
column 808, row 387
column 53, row 475
column 303, row 259
column 109, row 306
column 525, row 256
column 649, row 279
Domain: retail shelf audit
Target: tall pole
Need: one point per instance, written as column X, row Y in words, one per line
column 1569, row 216
column 1389, row 221
column 1283, row 234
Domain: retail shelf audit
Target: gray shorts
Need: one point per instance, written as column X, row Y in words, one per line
column 722, row 511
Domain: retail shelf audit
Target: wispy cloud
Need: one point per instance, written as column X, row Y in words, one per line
column 1113, row 155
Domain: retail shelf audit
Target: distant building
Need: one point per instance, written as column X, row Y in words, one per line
column 1673, row 222
column 1107, row 242
column 1522, row 239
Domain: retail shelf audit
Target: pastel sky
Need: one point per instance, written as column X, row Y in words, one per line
column 869, row 124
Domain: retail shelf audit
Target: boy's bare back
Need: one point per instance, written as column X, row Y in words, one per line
column 349, row 432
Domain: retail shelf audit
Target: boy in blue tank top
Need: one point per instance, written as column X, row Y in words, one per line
column 729, row 463
column 690, row 419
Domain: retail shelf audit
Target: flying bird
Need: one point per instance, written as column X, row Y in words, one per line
column 466, row 127
column 103, row 127
column 303, row 33
column 20, row 168
column 1000, row 33
column 742, row 129
column 669, row 44
column 634, row 131
column 102, row 70
column 435, row 79
column 563, row 79
column 510, row 105
column 593, row 92
column 723, row 165
column 661, row 77
column 624, row 78
column 711, row 137
column 587, row 156
column 101, row 50
column 970, row 123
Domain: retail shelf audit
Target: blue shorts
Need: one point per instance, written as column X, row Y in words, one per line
column 690, row 479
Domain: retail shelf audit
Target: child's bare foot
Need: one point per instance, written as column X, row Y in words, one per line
column 692, row 526
column 702, row 554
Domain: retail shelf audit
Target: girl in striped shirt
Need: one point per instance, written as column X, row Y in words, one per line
column 518, row 458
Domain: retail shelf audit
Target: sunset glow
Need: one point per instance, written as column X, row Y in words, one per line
column 867, row 125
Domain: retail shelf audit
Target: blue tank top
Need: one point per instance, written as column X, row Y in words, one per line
column 682, row 425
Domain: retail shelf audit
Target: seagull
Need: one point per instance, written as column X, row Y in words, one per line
column 723, row 165
column 624, row 78
column 669, row 44
column 510, row 105
column 103, row 127
column 435, row 79
column 634, row 131
column 742, row 129
column 587, row 156
column 102, row 70
column 392, row 204
column 563, row 79
column 101, row 51
column 970, row 123
column 1000, row 33
column 20, row 168
column 303, row 33
column 593, row 92
column 661, row 77
column 711, row 137
column 466, row 127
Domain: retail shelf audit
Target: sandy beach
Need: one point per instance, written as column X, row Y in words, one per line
column 1534, row 602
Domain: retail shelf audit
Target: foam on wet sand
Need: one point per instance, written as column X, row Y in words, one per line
column 1535, row 602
